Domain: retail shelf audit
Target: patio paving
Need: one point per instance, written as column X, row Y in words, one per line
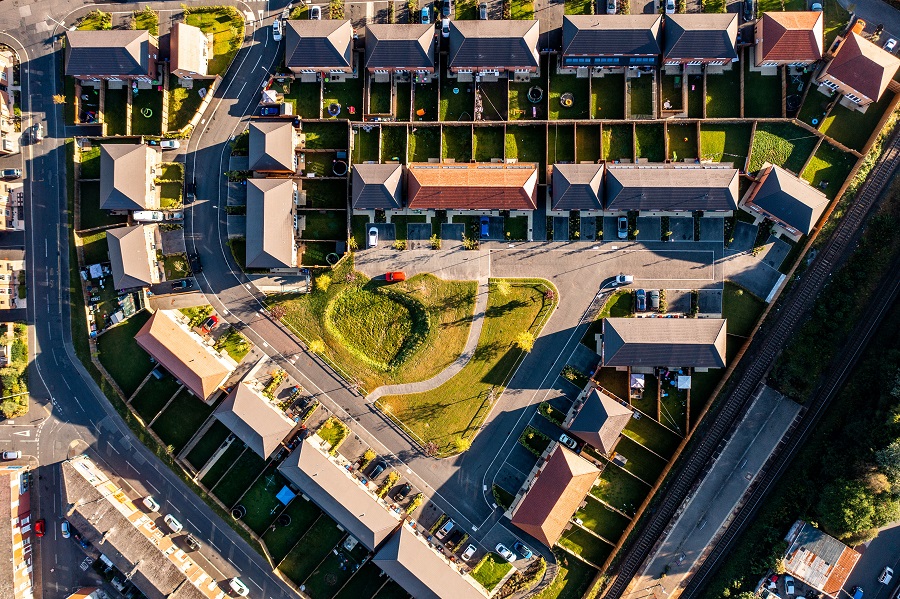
column 173, row 241
column 775, row 251
column 710, row 301
column 678, row 301
column 744, row 236
column 712, row 229
column 649, row 228
column 682, row 228
column 588, row 228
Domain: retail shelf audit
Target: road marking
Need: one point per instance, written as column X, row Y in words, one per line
column 113, row 447
column 25, row 433
column 192, row 524
column 254, row 582
column 132, row 467
column 155, row 490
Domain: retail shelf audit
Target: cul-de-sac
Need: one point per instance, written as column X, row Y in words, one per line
column 450, row 299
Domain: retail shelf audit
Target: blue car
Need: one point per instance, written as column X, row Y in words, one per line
column 268, row 111
column 640, row 297
column 485, row 227
column 426, row 15
column 522, row 550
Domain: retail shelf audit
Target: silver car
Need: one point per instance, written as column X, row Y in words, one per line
column 505, row 553
column 373, row 237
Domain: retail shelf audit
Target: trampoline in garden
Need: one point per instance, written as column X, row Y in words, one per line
column 535, row 94
column 567, row 100
column 339, row 168
column 334, row 109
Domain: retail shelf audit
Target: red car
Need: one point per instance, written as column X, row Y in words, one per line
column 394, row 276
column 40, row 527
column 209, row 324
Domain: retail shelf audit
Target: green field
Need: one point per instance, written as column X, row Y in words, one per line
column 490, row 571
column 227, row 27
column 725, row 143
column 783, row 144
column 600, row 519
column 127, row 363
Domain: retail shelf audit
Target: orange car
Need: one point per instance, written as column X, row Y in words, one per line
column 394, row 276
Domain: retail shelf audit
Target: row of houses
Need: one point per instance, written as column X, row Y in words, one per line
column 9, row 137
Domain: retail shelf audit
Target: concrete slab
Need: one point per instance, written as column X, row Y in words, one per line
column 744, row 236
column 682, row 229
column 678, row 301
column 750, row 273
column 609, row 228
column 710, row 301
column 387, row 232
column 560, row 228
column 712, row 229
column 649, row 228
column 584, row 360
column 776, row 250
column 701, row 517
column 173, row 241
column 236, row 225
column 589, row 228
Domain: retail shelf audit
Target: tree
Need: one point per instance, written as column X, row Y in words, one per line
column 435, row 242
column 846, row 507
column 503, row 287
column 525, row 341
column 13, row 408
column 317, row 346
column 461, row 444
column 877, row 482
column 59, row 99
column 888, row 460
column 323, row 282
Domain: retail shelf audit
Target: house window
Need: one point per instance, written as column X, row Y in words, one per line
column 673, row 63
column 853, row 98
column 830, row 84
column 770, row 64
column 699, row 62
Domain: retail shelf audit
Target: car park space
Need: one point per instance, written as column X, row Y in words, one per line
column 682, row 228
column 386, row 233
column 560, row 228
column 743, row 237
column 712, row 229
column 648, row 228
column 610, row 228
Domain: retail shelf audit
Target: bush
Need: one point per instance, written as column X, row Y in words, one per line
column 14, row 407
column 367, row 457
column 389, row 482
column 323, row 282
column 415, row 503
column 525, row 341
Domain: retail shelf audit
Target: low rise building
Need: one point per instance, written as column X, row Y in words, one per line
column 478, row 187
column 819, row 560
column 128, row 175
column 789, row 202
column 577, row 187
column 273, row 147
column 271, row 208
column 860, row 71
column 112, row 55
column 12, row 273
column 190, row 50
column 185, row 354
column 493, row 49
column 316, row 48
column 16, row 532
column 598, row 419
column 399, row 49
column 644, row 344
column 12, row 206
column 788, row 39
column 9, row 137
column 694, row 40
column 671, row 189
column 132, row 255
column 376, row 187
column 598, row 44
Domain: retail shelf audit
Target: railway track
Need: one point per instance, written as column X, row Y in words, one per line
column 757, row 362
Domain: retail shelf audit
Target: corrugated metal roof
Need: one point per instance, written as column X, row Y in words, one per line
column 668, row 188
column 472, row 186
column 110, row 53
column 860, row 64
column 600, row 35
column 399, row 46
column 270, row 223
column 662, row 342
column 320, row 44
column 788, row 198
column 129, row 257
column 490, row 44
column 818, row 559
column 577, row 186
column 377, row 186
column 700, row 36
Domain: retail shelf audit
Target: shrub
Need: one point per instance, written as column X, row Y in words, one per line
column 400, row 244
column 415, row 503
column 435, row 242
column 525, row 341
column 317, row 346
column 389, row 482
column 14, row 407
column 323, row 282
column 367, row 457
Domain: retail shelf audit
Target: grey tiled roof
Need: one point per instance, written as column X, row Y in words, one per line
column 600, row 421
column 318, row 44
column 129, row 257
column 577, row 186
column 399, row 46
column 667, row 188
column 108, row 53
column 123, row 176
column 488, row 44
column 377, row 186
column 271, row 146
column 700, row 36
column 789, row 198
column 270, row 223
column 597, row 35
column 655, row 342
column 254, row 420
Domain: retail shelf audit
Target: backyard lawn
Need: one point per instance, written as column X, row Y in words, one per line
column 365, row 146
column 725, row 143
column 641, row 89
column 154, row 395
column 424, row 143
column 741, row 309
column 207, row 445
column 528, row 144
column 425, row 101
column 227, row 26
column 670, row 89
column 184, row 103
column 494, row 100
column 828, row 169
column 348, row 95
column 620, row 489
column 91, row 214
column 643, row 463
column 364, row 584
column 90, row 163
column 762, row 94
column 393, row 144
column 225, row 461
column 783, row 144
column 126, row 363
column 618, row 142
column 853, row 128
column 178, row 423
column 114, row 113
column 572, row 578
column 260, row 500
column 333, row 572
column 239, row 478
column 403, row 101
column 330, row 225
column 146, row 112
column 280, row 539
column 583, row 543
column 723, row 94
column 649, row 142
column 560, row 143
column 696, row 100
column 520, row 107
column 490, row 571
column 608, row 97
column 813, row 108
column 587, row 142
column 457, row 143
column 600, row 519
column 682, row 142
column 652, row 435
column 326, row 136
column 450, row 412
column 326, row 193
column 380, row 97
column 304, row 97
column 95, row 248
column 570, row 85
column 487, row 143
column 311, row 549
column 457, row 100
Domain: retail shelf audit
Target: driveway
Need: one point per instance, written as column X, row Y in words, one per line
column 875, row 12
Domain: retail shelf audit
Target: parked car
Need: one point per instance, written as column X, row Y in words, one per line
column 640, row 300
column 174, row 215
column 890, row 45
column 269, row 111
column 468, row 553
column 395, row 276
column 38, row 132
column 182, row 284
column 196, row 266
column 276, row 30
column 624, row 279
column 40, row 528
column 447, row 9
column 610, row 7
column 315, row 13
column 10, row 174
column 65, row 529
column 817, row 6
column 169, row 144
column 857, row 592
column 483, row 11
column 670, row 7
column 148, row 216
column 520, row 548
column 173, row 523
column 568, row 441
column 505, row 553
column 192, row 543
column 379, row 467
column 622, row 227
column 209, row 324
column 401, row 494
column 485, row 227
column 886, row 575
column 12, row 455
column 426, row 15
column 373, row 237
column 789, row 585
column 238, row 587
column 445, row 28
column 150, row 503
column 444, row 530
column 654, row 299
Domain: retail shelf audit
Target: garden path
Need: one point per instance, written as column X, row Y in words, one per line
column 445, row 375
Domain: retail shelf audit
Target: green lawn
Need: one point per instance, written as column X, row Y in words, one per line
column 569, row 84
column 227, row 26
column 783, row 144
column 516, row 227
column 225, row 461
column 618, row 142
column 304, row 97
column 641, row 89
column 494, row 100
column 457, row 100
column 457, row 144
column 95, row 248
column 425, row 98
column 120, row 355
column 682, row 142
column 643, row 463
column 725, row 143
column 391, row 590
column 587, row 142
column 813, row 108
column 608, row 97
column 91, row 214
column 520, row 107
column 326, row 136
column 829, row 167
column 326, row 193
column 235, row 344
column 379, row 98
column 154, row 395
column 696, row 100
column 333, row 432
column 260, row 501
column 424, row 143
column 619, row 305
column 741, row 309
column 176, row 266
column 365, row 147
column 649, row 142
column 521, row 9
column 330, row 225
column 181, row 420
column 315, row 252
column 586, row 545
column 90, row 163
column 579, row 7
column 147, row 19
column 114, row 110
column 403, row 102
column 723, row 94
column 184, row 103
column 561, row 143
column 620, row 489
column 280, row 539
column 393, row 144
column 239, row 478
column 348, row 94
column 170, row 195
column 364, row 584
column 670, row 88
column 311, row 549
column 652, row 435
column 208, row 444
column 490, row 571
column 600, row 519
column 572, row 578
column 528, row 144
column 487, row 143
column 851, row 127
column 333, row 573
column 762, row 94
column 457, row 407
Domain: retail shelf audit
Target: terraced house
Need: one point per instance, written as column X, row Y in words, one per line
column 693, row 40
column 314, row 49
column 128, row 177
column 474, row 188
column 788, row 39
column 860, row 71
column 114, row 55
column 598, row 44
column 493, row 49
column 399, row 50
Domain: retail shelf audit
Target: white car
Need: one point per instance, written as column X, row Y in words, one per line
column 173, row 524
column 12, row 455
column 789, row 585
column 64, row 528
column 624, row 279
column 670, row 7
column 468, row 553
column 890, row 45
column 38, row 132
column 445, row 27
column 373, row 237
column 315, row 13
column 238, row 587
column 276, row 30
column 505, row 553
column 169, row 144
column 148, row 216
column 568, row 441
column 886, row 575
column 150, row 503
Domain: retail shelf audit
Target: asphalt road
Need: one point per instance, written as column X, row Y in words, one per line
column 882, row 551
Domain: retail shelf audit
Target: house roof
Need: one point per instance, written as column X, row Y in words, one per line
column 182, row 354
column 108, row 53
column 414, row 565
column 112, row 534
column 271, row 146
column 600, row 420
column 860, row 64
column 577, row 186
column 701, row 36
column 124, row 178
column 322, row 44
column 555, row 494
column 253, row 418
column 400, row 46
column 339, row 494
column 487, row 44
column 129, row 257
column 694, row 342
column 788, row 198
column 472, row 186
column 666, row 188
column 596, row 35
column 818, row 559
column 270, row 223
column 789, row 36
column 187, row 46
column 377, row 186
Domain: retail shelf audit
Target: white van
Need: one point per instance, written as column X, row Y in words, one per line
column 886, row 575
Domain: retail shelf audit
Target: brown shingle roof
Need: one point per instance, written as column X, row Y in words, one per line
column 187, row 48
column 860, row 64
column 185, row 357
column 555, row 494
column 129, row 257
column 472, row 186
column 789, row 36
column 600, row 420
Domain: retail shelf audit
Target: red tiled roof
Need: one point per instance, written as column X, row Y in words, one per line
column 472, row 186
column 790, row 36
column 860, row 64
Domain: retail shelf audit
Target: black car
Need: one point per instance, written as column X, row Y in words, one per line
column 401, row 494
column 194, row 261
column 192, row 543
column 182, row 284
column 379, row 467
